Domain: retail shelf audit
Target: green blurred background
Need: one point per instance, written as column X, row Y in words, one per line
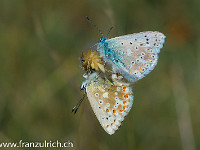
column 40, row 74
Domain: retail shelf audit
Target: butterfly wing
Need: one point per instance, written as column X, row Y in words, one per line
column 134, row 55
column 110, row 102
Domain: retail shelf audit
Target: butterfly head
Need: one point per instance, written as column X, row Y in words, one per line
column 83, row 85
column 102, row 39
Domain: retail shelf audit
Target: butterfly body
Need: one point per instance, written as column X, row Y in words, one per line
column 133, row 55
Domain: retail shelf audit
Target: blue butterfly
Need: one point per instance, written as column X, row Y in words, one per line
column 134, row 55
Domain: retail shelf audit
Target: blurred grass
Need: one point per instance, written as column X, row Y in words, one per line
column 41, row 42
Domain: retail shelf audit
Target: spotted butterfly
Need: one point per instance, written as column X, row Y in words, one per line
column 110, row 101
column 133, row 55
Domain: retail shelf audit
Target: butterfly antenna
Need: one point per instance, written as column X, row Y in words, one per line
column 78, row 104
column 94, row 25
column 109, row 30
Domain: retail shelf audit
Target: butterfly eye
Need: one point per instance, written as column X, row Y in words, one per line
column 141, row 57
column 116, row 98
column 142, row 53
column 135, row 39
column 133, row 62
column 136, row 48
column 83, row 86
column 122, row 43
column 137, row 60
column 131, row 43
column 102, row 39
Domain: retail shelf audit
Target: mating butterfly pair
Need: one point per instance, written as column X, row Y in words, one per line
column 131, row 58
